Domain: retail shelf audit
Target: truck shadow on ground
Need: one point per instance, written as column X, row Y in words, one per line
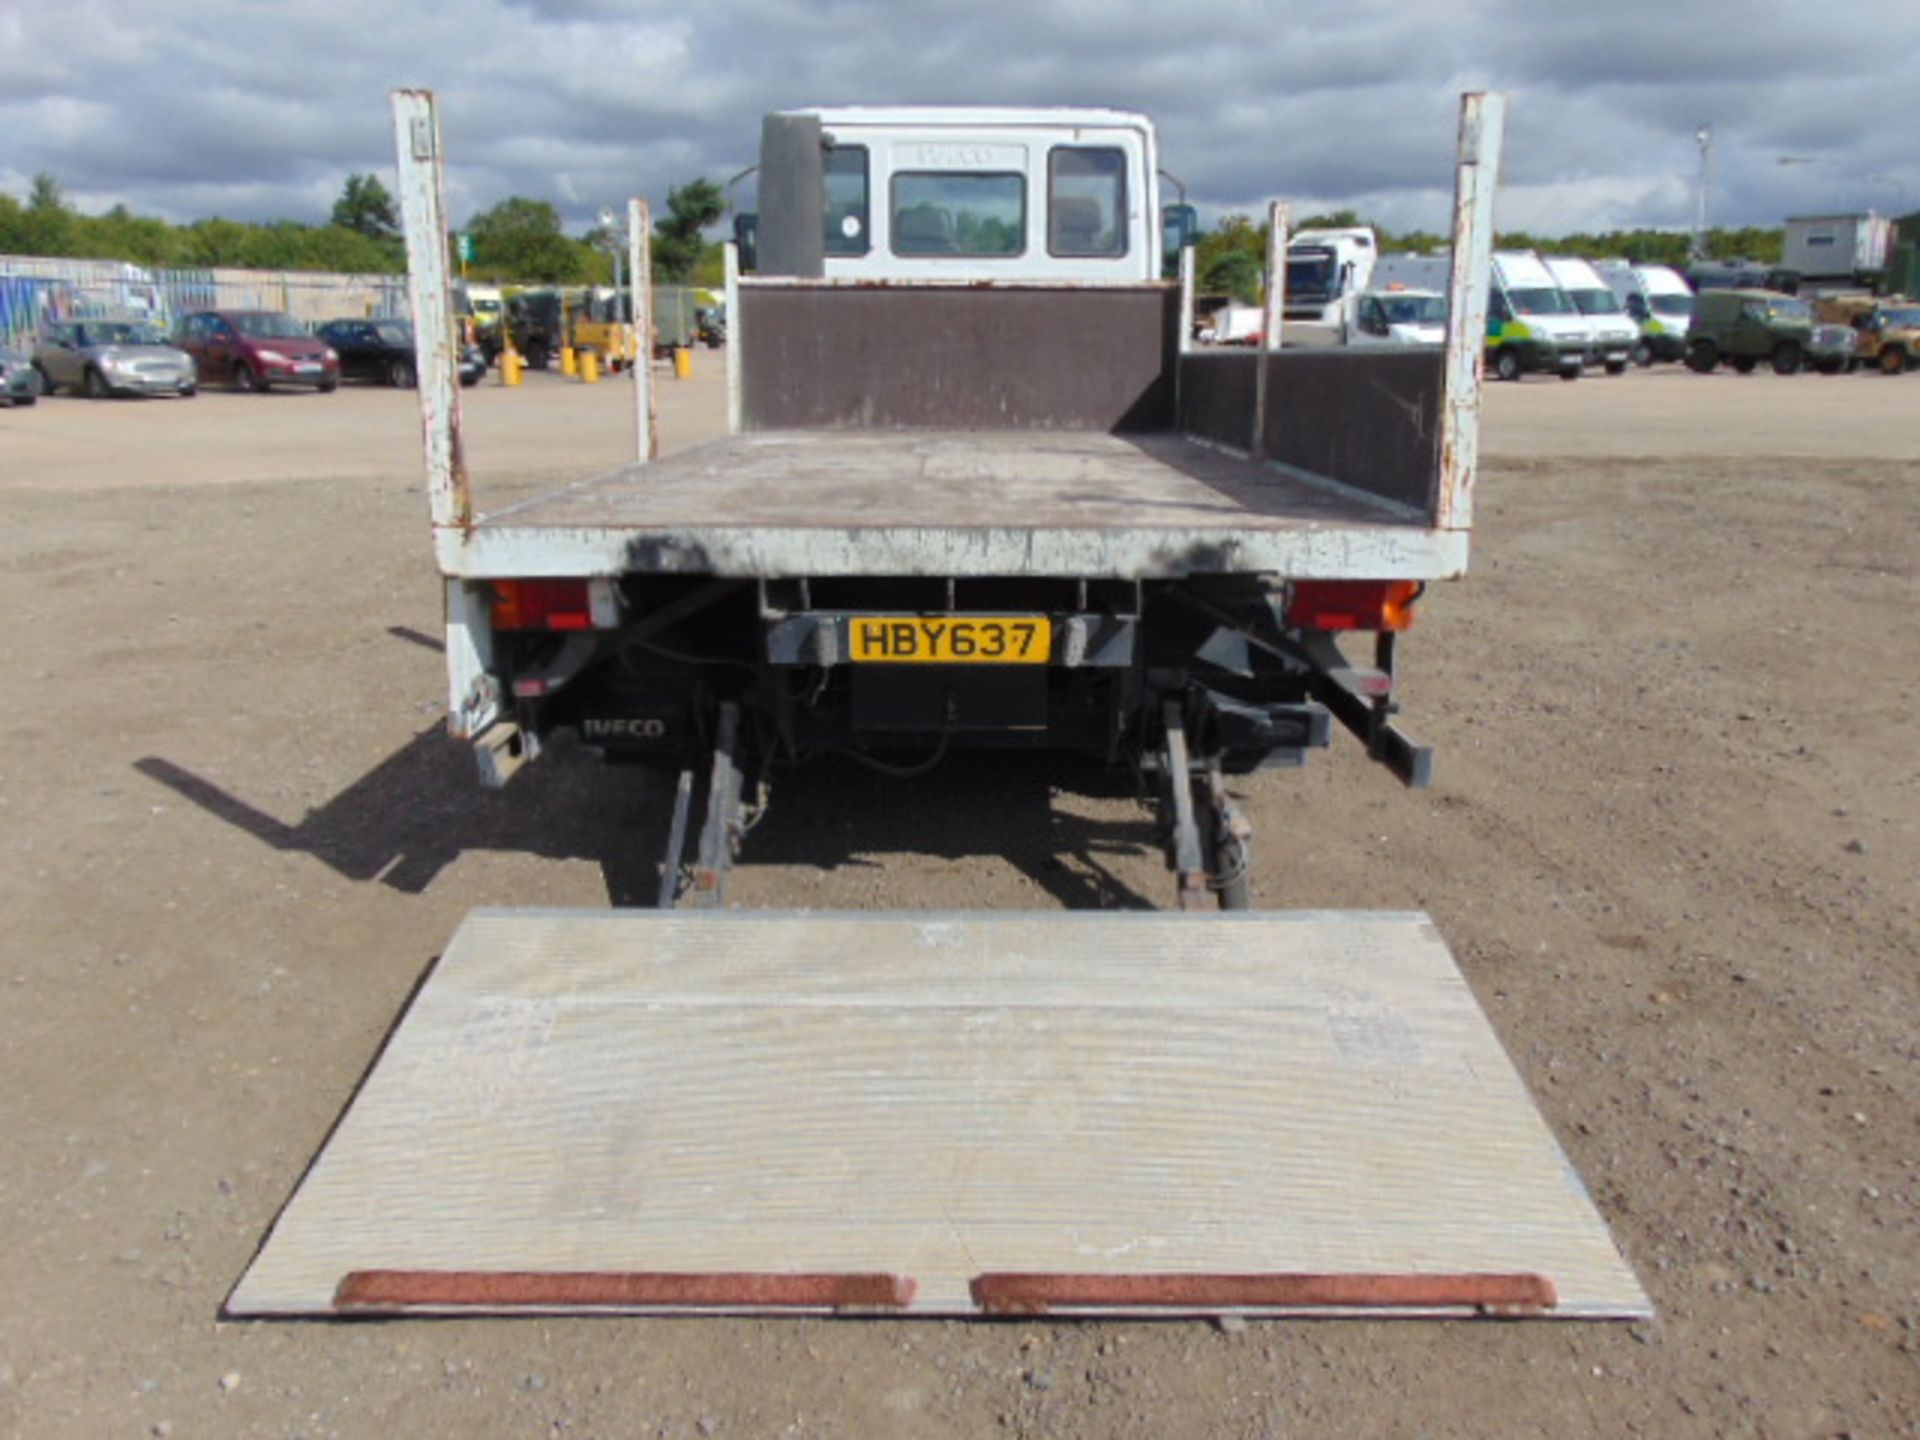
column 420, row 809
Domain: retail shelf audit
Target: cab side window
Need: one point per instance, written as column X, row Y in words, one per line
column 1498, row 310
column 847, row 201
column 1087, row 202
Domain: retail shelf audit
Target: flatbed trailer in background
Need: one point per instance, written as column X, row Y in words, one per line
column 957, row 510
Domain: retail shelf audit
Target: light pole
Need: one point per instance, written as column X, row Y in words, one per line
column 1703, row 137
column 611, row 239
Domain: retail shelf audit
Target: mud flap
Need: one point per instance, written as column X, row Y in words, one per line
column 942, row 1114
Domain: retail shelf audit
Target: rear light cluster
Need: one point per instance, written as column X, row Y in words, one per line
column 554, row 605
column 1352, row 604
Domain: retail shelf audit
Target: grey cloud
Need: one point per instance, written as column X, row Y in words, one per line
column 261, row 110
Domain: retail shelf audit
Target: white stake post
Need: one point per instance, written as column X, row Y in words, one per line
column 1476, row 179
column 423, row 214
column 646, row 437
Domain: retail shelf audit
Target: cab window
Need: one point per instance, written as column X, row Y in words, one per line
column 846, row 201
column 982, row 214
column 1087, row 201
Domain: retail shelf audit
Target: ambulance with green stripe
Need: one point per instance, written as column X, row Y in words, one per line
column 1531, row 324
column 1658, row 300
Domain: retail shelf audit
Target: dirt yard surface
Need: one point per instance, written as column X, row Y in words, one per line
column 1674, row 842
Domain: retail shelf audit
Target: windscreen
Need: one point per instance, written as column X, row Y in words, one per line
column 1596, row 302
column 124, row 332
column 1540, row 300
column 1414, row 309
column 269, row 325
column 1310, row 274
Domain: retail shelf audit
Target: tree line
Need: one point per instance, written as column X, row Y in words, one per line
column 1230, row 259
column 518, row 240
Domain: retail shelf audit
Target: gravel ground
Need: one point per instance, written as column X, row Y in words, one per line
column 1673, row 841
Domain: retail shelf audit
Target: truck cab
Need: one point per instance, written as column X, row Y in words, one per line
column 958, row 194
column 1327, row 271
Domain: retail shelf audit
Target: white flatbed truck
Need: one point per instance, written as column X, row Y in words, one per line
column 956, row 511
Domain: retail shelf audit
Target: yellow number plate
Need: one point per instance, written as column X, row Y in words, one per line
column 952, row 640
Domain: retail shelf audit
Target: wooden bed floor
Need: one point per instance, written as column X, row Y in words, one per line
column 958, row 480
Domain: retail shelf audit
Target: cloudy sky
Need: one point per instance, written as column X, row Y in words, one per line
column 258, row 109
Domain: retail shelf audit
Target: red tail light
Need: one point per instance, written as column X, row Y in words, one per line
column 1353, row 604
column 541, row 605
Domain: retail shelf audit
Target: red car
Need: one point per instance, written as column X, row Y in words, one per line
column 257, row 349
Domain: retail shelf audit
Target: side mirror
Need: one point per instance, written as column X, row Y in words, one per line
column 746, row 235
column 1179, row 227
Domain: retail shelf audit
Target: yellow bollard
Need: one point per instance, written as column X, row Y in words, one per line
column 509, row 367
column 590, row 367
column 682, row 362
column 568, row 365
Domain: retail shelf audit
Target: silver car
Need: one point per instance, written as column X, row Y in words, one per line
column 113, row 357
column 19, row 381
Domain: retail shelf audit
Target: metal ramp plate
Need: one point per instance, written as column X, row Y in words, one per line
column 1139, row 1114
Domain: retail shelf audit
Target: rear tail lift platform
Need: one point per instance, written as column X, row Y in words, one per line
column 965, row 1114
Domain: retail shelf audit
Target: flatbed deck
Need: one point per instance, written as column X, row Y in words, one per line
column 956, row 503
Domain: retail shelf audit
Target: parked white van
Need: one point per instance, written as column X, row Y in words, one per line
column 1656, row 299
column 1614, row 335
column 1400, row 316
column 1531, row 324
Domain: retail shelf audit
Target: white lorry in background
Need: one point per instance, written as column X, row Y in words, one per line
column 1658, row 301
column 1848, row 248
column 1400, row 316
column 1531, row 324
column 1614, row 335
column 1327, row 272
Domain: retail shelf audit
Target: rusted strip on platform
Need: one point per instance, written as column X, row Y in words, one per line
column 1040, row 1294
column 369, row 1291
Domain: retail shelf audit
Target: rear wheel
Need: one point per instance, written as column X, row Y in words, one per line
column 1506, row 364
column 1641, row 354
column 1571, row 372
column 1893, row 360
column 400, row 374
column 1702, row 357
column 1786, row 358
column 97, row 388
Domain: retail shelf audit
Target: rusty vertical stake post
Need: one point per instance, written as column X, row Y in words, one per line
column 423, row 212
column 1272, row 314
column 1476, row 179
column 646, row 439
